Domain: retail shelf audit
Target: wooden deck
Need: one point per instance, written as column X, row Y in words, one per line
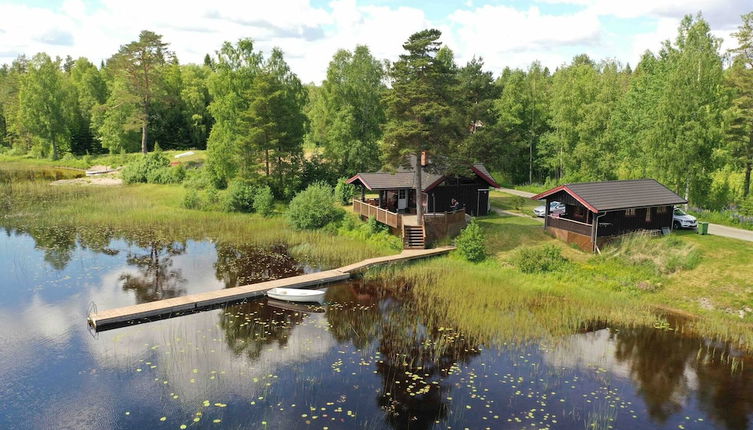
column 193, row 302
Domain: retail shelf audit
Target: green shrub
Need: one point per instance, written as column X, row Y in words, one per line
column 191, row 200
column 198, row 179
column 518, row 202
column 344, row 192
column 144, row 168
column 166, row 175
column 240, row 197
column 540, row 259
column 370, row 231
column 264, row 201
column 746, row 207
column 314, row 207
column 375, row 226
column 470, row 243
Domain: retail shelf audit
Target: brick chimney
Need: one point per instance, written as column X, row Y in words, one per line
column 424, row 159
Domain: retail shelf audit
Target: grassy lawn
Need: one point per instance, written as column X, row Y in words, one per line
column 509, row 202
column 532, row 188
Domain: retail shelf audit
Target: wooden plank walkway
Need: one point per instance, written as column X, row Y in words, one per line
column 194, row 302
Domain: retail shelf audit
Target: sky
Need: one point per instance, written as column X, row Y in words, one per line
column 510, row 33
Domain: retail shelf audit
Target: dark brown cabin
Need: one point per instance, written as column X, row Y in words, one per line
column 395, row 204
column 596, row 212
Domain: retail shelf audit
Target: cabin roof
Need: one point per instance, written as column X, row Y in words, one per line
column 405, row 178
column 617, row 195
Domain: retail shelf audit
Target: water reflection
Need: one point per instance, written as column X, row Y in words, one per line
column 370, row 351
column 250, row 327
column 244, row 264
column 415, row 360
column 668, row 367
column 155, row 277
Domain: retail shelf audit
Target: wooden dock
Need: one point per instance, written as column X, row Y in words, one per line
column 194, row 302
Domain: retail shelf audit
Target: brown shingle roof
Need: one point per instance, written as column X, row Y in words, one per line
column 405, row 178
column 389, row 181
column 615, row 195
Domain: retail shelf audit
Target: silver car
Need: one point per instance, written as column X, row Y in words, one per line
column 680, row 219
column 555, row 208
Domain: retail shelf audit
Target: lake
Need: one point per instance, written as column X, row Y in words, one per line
column 366, row 359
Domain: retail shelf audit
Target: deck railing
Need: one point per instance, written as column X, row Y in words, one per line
column 569, row 225
column 384, row 216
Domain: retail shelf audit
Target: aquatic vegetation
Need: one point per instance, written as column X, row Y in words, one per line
column 155, row 211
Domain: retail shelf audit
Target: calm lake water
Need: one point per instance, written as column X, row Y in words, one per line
column 364, row 360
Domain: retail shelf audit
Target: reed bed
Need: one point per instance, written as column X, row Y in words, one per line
column 154, row 211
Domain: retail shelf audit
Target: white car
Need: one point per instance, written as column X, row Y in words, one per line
column 555, row 208
column 680, row 219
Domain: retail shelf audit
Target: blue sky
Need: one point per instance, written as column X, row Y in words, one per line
column 505, row 33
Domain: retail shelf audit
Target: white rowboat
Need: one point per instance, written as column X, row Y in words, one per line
column 296, row 295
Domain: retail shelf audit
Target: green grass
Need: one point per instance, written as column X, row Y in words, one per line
column 509, row 202
column 532, row 188
column 83, row 162
column 633, row 282
column 155, row 211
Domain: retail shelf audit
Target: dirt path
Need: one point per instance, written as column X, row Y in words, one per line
column 103, row 180
column 715, row 229
column 731, row 232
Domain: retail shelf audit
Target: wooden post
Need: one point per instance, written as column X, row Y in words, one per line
column 363, row 193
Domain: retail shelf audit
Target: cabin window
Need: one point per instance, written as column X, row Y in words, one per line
column 630, row 212
column 662, row 210
column 648, row 215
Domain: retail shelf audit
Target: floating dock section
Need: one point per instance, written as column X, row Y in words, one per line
column 194, row 302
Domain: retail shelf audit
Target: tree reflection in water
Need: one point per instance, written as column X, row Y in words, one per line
column 416, row 356
column 245, row 264
column 251, row 326
column 662, row 364
column 156, row 279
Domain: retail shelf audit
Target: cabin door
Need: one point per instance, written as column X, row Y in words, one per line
column 402, row 199
column 482, row 202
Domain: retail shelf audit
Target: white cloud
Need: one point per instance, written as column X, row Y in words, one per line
column 505, row 36
column 310, row 35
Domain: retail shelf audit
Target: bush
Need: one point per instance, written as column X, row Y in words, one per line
column 198, row 179
column 376, row 227
column 144, row 168
column 166, row 175
column 240, row 197
column 518, row 202
column 746, row 207
column 264, row 201
column 191, row 200
column 371, row 231
column 314, row 207
column 470, row 243
column 540, row 259
column 344, row 192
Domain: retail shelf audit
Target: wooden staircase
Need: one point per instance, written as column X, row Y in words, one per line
column 414, row 237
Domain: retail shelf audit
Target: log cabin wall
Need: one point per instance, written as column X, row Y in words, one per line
column 440, row 197
column 626, row 221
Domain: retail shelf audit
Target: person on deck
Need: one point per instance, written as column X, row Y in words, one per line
column 455, row 205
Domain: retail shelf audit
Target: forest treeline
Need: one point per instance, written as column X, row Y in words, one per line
column 682, row 115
